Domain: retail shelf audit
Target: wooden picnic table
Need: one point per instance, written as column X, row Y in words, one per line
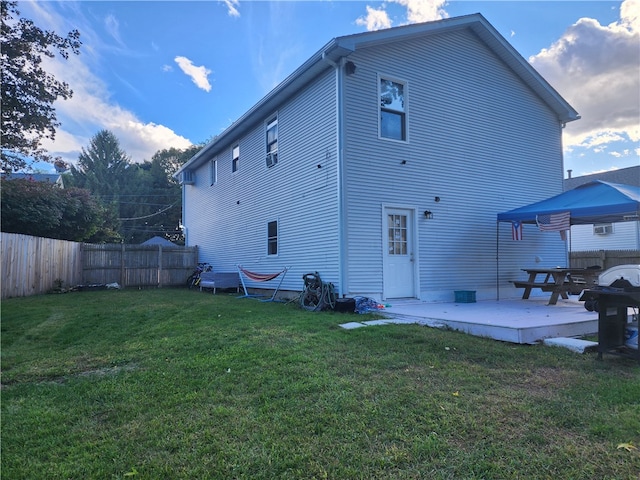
column 558, row 280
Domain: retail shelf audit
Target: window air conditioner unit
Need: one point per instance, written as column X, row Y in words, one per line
column 188, row 177
column 603, row 229
column 272, row 159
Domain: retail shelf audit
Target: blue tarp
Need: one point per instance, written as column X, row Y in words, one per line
column 593, row 202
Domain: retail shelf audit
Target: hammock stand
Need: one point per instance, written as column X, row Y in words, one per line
column 260, row 277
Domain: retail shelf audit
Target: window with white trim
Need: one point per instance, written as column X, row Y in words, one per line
column 272, row 238
column 213, row 171
column 393, row 117
column 235, row 158
column 272, row 142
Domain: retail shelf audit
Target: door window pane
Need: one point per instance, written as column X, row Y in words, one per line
column 397, row 234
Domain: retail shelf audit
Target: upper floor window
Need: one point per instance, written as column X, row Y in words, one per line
column 393, row 118
column 272, row 238
column 213, row 171
column 235, row 158
column 272, row 142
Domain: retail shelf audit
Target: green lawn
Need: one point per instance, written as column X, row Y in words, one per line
column 181, row 384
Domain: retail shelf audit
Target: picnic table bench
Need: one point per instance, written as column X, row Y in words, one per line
column 215, row 280
column 559, row 281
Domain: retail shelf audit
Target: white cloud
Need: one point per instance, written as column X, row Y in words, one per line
column 232, row 7
column 416, row 11
column 199, row 75
column 375, row 19
column 90, row 110
column 423, row 10
column 113, row 28
column 595, row 67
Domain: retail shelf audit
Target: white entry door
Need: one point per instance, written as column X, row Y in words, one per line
column 399, row 264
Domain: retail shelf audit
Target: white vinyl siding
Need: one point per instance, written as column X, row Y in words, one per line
column 625, row 236
column 480, row 140
column 229, row 223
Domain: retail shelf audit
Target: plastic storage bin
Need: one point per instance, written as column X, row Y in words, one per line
column 465, row 296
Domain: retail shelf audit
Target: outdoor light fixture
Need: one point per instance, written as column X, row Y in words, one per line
column 427, row 214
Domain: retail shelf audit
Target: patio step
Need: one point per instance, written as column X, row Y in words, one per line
column 573, row 344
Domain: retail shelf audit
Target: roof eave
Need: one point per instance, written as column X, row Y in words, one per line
column 342, row 46
column 319, row 62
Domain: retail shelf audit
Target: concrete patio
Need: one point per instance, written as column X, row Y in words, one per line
column 516, row 321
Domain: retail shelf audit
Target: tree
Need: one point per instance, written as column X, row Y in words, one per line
column 103, row 170
column 160, row 208
column 42, row 209
column 172, row 159
column 27, row 90
column 144, row 197
column 102, row 167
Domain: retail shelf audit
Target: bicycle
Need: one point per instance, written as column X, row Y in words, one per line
column 194, row 279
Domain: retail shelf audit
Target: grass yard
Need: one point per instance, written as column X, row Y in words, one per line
column 167, row 384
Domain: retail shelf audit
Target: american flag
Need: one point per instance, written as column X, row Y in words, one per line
column 516, row 230
column 554, row 222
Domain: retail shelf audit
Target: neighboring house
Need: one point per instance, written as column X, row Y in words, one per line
column 606, row 236
column 382, row 162
column 55, row 178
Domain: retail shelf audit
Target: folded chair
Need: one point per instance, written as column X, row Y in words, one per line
column 260, row 277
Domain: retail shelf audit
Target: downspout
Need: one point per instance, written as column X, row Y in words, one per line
column 342, row 254
column 498, row 260
column 183, row 214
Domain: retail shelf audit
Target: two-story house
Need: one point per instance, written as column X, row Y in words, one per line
column 381, row 163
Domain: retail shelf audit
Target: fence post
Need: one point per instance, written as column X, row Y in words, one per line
column 123, row 276
column 159, row 266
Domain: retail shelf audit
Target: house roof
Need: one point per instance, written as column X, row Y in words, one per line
column 340, row 47
column 628, row 176
column 36, row 177
column 593, row 202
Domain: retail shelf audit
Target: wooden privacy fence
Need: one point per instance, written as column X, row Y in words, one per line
column 604, row 258
column 137, row 265
column 33, row 265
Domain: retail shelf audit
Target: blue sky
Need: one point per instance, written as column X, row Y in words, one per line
column 160, row 74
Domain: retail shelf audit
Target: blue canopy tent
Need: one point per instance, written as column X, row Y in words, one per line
column 593, row 202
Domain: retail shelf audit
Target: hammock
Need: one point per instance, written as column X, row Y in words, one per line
column 260, row 277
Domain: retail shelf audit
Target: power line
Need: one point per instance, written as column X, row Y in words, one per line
column 149, row 216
